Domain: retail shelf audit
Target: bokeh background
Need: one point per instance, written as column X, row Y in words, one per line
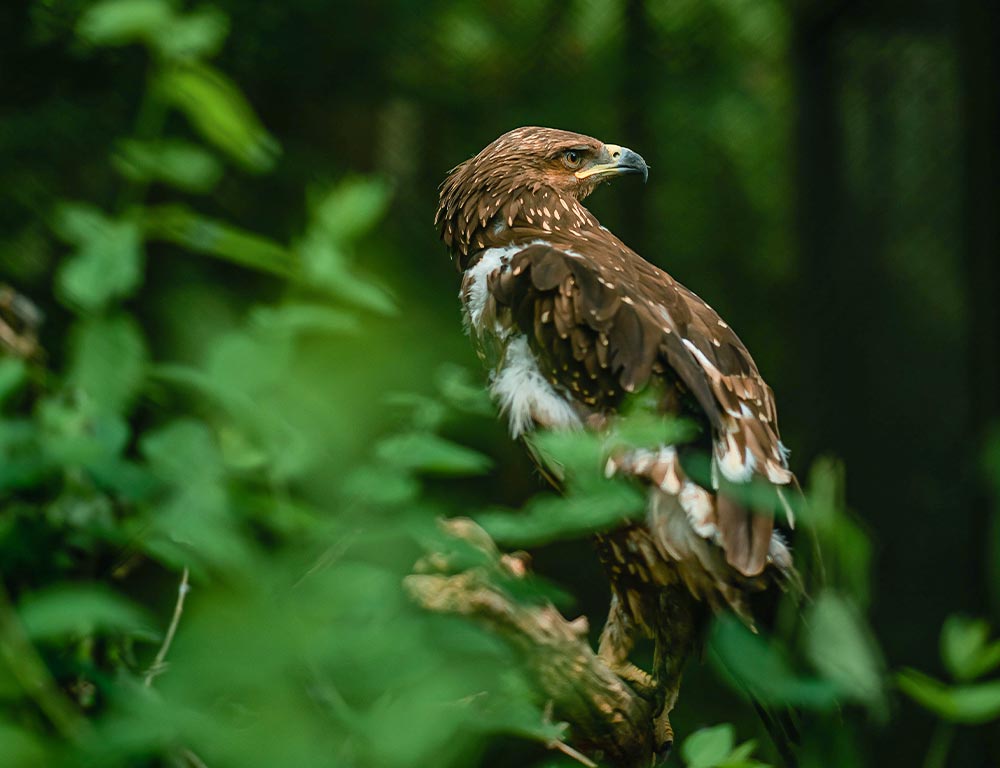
column 224, row 213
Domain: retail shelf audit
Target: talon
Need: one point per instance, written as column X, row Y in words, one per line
column 637, row 678
column 663, row 753
column 663, row 735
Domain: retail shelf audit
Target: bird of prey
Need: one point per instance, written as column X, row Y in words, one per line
column 574, row 326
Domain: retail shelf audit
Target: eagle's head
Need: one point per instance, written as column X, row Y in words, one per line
column 495, row 190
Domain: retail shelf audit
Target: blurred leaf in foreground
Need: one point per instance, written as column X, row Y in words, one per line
column 79, row 609
column 120, row 22
column 549, row 517
column 338, row 216
column 13, row 373
column 350, row 209
column 108, row 261
column 220, row 113
column 20, row 748
column 753, row 664
column 845, row 545
column 431, row 454
column 180, row 225
column 109, row 361
column 156, row 24
column 971, row 704
column 177, row 163
column 840, row 647
column 716, row 748
column 966, row 648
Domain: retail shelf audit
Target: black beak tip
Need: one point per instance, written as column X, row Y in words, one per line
column 632, row 162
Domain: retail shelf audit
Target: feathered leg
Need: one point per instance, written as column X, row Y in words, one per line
column 617, row 641
column 674, row 640
column 673, row 632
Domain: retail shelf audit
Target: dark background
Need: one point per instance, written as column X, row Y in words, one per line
column 823, row 173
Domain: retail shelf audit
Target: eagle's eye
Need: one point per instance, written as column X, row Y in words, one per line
column 572, row 158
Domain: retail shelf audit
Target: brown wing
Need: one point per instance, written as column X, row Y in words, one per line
column 593, row 338
column 603, row 323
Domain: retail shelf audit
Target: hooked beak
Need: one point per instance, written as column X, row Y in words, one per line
column 616, row 161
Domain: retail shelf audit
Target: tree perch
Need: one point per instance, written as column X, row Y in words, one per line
column 608, row 719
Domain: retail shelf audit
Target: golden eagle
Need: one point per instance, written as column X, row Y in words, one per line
column 573, row 324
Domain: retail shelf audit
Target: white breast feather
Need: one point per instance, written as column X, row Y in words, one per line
column 525, row 396
column 475, row 290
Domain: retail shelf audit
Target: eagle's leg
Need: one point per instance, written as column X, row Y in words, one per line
column 674, row 640
column 616, row 643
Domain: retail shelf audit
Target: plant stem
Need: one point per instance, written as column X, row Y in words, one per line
column 159, row 663
column 937, row 752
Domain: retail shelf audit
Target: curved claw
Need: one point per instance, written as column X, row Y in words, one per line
column 663, row 733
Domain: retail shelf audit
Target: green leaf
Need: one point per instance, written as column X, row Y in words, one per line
column 967, row 704
column 581, row 453
column 108, row 261
column 183, row 452
column 350, row 209
column 339, row 216
column 708, row 747
column 374, row 485
column 756, row 665
column 195, row 523
column 966, row 650
column 198, row 34
column 13, row 373
column 742, row 752
column 220, row 113
column 239, row 452
column 649, row 430
column 79, row 609
column 361, row 292
column 431, row 454
column 120, row 22
column 462, row 393
column 21, row 748
column 22, row 463
column 155, row 24
column 108, row 362
column 240, row 375
column 425, row 413
column 295, row 319
column 75, row 436
column 77, row 222
column 180, row 164
column 846, row 547
column 324, row 265
column 549, row 518
column 841, row 648
column 240, row 363
column 181, row 226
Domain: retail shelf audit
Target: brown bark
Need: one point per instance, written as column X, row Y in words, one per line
column 608, row 720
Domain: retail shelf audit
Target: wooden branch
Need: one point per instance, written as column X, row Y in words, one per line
column 608, row 720
column 19, row 321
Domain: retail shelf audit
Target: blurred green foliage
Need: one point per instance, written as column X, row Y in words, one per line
column 120, row 470
column 239, row 426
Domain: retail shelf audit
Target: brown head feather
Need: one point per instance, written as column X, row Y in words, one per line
column 517, row 181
